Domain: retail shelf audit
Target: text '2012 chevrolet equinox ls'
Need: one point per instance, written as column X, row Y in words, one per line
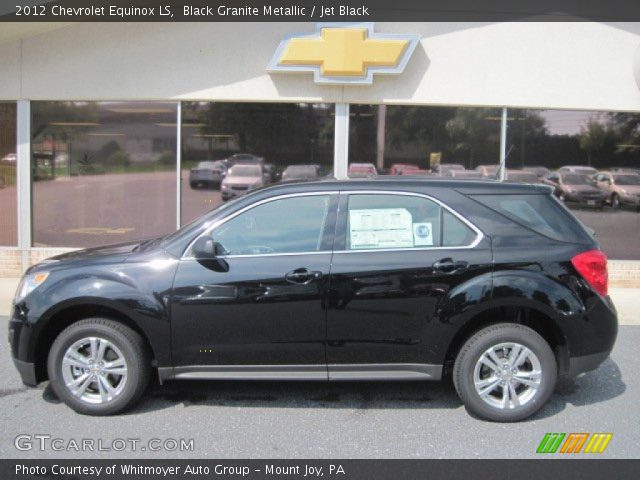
column 373, row 279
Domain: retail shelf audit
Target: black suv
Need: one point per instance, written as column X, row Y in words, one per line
column 373, row 279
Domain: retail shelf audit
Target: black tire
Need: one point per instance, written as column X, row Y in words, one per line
column 193, row 185
column 133, row 349
column 615, row 201
column 480, row 342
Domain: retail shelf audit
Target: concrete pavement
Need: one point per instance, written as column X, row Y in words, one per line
column 626, row 300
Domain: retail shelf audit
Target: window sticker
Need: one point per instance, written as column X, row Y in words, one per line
column 380, row 228
column 422, row 234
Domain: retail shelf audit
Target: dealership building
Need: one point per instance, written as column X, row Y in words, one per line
column 102, row 124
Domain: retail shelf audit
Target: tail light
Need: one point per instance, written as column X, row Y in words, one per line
column 592, row 265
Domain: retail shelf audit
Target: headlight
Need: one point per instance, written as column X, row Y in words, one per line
column 224, row 186
column 28, row 284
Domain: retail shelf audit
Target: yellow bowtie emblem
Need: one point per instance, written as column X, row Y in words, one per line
column 344, row 54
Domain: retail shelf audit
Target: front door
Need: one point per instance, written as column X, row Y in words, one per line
column 397, row 256
column 259, row 310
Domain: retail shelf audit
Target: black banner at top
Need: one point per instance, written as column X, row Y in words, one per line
column 317, row 10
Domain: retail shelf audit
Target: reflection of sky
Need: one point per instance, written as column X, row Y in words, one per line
column 564, row 122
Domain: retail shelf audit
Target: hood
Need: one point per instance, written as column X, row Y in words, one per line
column 242, row 180
column 107, row 254
column 583, row 188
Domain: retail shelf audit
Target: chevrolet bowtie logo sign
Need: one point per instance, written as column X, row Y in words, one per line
column 344, row 53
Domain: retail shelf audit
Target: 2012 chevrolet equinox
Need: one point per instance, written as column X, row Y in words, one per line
column 373, row 279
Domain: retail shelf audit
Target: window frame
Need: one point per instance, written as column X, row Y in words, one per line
column 343, row 211
column 329, row 227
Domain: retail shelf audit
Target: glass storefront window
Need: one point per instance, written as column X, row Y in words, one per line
column 8, row 165
column 229, row 149
column 413, row 140
column 592, row 160
column 102, row 172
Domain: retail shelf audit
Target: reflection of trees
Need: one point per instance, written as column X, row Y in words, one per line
column 474, row 133
column 268, row 129
column 596, row 139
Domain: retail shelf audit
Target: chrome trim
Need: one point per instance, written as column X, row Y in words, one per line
column 331, row 372
column 251, row 372
column 382, row 371
column 210, row 228
column 479, row 234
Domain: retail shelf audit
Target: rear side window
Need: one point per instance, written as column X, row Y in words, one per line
column 382, row 221
column 540, row 213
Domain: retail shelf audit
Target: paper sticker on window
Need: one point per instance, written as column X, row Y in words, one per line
column 422, row 234
column 380, row 228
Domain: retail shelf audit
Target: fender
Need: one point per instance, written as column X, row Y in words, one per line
column 510, row 288
column 143, row 298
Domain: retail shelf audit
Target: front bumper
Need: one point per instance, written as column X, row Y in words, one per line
column 20, row 336
column 586, row 363
column 27, row 372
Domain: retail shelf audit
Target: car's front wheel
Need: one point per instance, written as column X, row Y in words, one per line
column 98, row 366
column 505, row 372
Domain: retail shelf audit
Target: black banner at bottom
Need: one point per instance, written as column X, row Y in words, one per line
column 561, row 469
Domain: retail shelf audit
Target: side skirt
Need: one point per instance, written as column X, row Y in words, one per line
column 332, row 372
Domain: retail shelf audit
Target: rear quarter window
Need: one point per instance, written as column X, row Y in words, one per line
column 540, row 213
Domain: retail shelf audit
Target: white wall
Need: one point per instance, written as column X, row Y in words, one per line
column 579, row 65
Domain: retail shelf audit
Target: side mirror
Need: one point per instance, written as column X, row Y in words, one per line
column 206, row 251
column 205, row 248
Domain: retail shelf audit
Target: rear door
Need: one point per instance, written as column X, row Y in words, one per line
column 396, row 257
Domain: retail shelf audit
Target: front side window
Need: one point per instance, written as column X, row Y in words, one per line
column 402, row 221
column 289, row 225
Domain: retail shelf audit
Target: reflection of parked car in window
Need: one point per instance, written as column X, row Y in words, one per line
column 464, row 174
column 620, row 188
column 576, row 188
column 300, row 172
column 272, row 173
column 581, row 169
column 244, row 158
column 292, row 281
column 487, row 171
column 520, row 176
column 541, row 172
column 241, row 178
column 208, row 173
column 10, row 158
column 625, row 170
column 444, row 168
column 362, row 170
column 399, row 168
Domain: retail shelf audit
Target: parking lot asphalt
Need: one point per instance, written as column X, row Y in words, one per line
column 322, row 420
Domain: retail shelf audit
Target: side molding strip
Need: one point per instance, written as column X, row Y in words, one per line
column 334, row 372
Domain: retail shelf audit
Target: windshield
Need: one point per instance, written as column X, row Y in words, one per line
column 627, row 179
column 245, row 171
column 193, row 225
column 575, row 179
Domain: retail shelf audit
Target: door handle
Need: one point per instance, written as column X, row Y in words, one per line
column 448, row 265
column 302, row 276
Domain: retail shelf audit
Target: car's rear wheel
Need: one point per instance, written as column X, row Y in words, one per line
column 99, row 367
column 505, row 372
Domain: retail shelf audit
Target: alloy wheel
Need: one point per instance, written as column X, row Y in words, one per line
column 94, row 370
column 507, row 376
